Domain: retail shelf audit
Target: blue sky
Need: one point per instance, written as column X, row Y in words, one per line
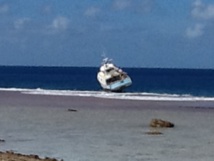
column 134, row 33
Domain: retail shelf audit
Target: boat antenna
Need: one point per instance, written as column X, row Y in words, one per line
column 105, row 58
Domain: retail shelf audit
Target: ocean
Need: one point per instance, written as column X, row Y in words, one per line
column 148, row 83
column 35, row 116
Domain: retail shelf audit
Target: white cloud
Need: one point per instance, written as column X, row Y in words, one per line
column 202, row 11
column 197, row 3
column 139, row 6
column 121, row 4
column 196, row 31
column 203, row 14
column 4, row 8
column 60, row 23
column 19, row 23
column 92, row 11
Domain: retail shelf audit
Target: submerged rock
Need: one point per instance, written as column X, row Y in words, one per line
column 72, row 110
column 154, row 133
column 161, row 123
column 2, row 140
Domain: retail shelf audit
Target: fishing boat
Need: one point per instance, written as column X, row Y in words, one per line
column 112, row 78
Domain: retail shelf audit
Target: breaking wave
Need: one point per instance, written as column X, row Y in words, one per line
column 110, row 95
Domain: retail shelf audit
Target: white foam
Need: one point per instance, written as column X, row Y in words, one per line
column 109, row 95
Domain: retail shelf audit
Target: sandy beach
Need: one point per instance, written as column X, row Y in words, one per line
column 93, row 129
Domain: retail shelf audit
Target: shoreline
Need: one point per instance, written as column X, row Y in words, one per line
column 17, row 98
column 90, row 128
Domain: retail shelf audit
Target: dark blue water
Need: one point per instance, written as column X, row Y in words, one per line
column 170, row 81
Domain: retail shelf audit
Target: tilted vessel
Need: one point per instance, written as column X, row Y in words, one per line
column 112, row 78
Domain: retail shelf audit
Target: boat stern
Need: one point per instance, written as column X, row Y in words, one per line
column 120, row 85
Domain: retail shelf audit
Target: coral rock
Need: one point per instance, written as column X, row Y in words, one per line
column 161, row 123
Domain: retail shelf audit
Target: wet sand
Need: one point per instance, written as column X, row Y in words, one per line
column 18, row 99
column 89, row 128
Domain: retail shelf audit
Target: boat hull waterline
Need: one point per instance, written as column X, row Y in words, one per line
column 118, row 86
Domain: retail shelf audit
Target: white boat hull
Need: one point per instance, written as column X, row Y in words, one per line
column 118, row 85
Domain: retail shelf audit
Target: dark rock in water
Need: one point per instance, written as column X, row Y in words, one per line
column 34, row 156
column 50, row 159
column 154, row 133
column 161, row 123
column 2, row 140
column 72, row 110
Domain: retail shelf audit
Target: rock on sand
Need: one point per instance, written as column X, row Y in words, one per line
column 161, row 123
column 11, row 156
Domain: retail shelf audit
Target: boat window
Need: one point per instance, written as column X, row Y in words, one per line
column 113, row 79
column 110, row 69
